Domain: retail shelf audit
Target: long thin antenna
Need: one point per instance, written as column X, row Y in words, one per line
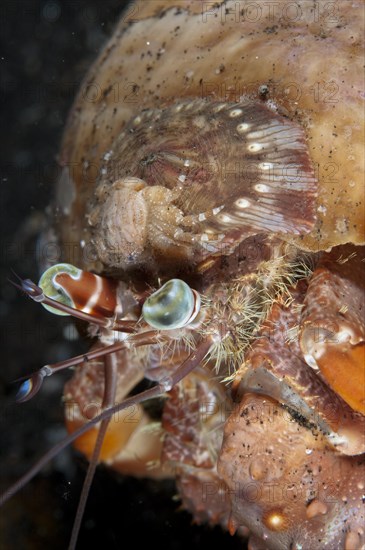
column 33, row 383
column 192, row 361
column 110, row 377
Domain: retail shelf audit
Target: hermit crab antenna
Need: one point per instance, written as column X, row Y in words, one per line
column 31, row 386
column 110, row 377
column 29, row 288
column 165, row 385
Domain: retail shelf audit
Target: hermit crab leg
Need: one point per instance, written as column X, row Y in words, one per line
column 164, row 385
column 110, row 377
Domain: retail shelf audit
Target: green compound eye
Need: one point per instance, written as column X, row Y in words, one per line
column 55, row 290
column 173, row 306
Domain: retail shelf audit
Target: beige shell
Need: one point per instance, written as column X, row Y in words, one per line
column 306, row 58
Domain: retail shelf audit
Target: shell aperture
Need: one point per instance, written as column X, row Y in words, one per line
column 209, row 172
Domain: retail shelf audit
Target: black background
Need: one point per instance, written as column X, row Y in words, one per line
column 46, row 48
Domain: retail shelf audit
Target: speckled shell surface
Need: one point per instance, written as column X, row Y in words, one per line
column 307, row 62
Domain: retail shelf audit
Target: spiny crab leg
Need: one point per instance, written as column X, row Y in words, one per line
column 32, row 385
column 36, row 293
column 165, row 385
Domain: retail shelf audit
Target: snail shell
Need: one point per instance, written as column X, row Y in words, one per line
column 199, row 177
column 138, row 70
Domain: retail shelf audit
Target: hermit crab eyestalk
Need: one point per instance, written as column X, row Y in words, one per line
column 81, row 290
column 51, row 282
column 32, row 385
column 174, row 305
column 24, row 391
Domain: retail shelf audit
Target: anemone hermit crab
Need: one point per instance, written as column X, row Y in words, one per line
column 219, row 222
